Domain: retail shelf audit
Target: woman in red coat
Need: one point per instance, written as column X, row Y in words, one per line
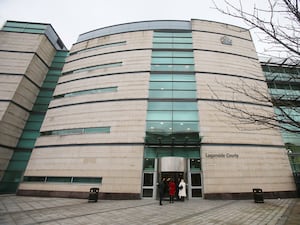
column 172, row 190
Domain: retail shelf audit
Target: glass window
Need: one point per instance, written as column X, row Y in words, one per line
column 188, row 54
column 159, row 105
column 185, row 115
column 184, row 94
column 172, row 40
column 195, row 164
column 159, row 126
column 196, row 179
column 160, row 85
column 149, row 164
column 185, row 106
column 160, row 94
column 197, row 193
column 89, row 68
column 173, row 45
column 172, row 34
column 159, row 115
column 184, row 85
column 59, row 179
column 95, row 180
column 148, row 179
column 147, row 192
column 185, row 126
column 161, row 77
column 34, row 179
column 91, row 91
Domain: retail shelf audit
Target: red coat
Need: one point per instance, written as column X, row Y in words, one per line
column 172, row 188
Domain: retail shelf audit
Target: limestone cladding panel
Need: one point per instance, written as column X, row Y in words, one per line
column 221, row 28
column 101, row 45
column 14, row 62
column 3, row 108
column 46, row 50
column 21, row 42
column 215, row 62
column 215, row 87
column 228, row 169
column 132, row 61
column 218, row 126
column 8, row 86
column 37, row 70
column 212, row 42
column 12, row 124
column 126, row 119
column 26, row 94
column 129, row 86
column 119, row 166
column 4, row 159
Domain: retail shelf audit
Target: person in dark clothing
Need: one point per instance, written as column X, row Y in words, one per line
column 162, row 187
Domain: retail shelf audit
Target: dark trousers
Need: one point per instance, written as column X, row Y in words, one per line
column 171, row 198
column 161, row 196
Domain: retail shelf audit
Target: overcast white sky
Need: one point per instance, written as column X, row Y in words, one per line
column 73, row 17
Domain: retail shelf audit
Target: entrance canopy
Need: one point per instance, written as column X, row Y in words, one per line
column 173, row 139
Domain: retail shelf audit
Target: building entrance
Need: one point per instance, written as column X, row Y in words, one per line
column 176, row 177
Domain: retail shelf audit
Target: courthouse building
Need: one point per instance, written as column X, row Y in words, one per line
column 132, row 103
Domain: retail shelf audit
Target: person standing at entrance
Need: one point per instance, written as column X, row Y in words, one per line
column 162, row 187
column 172, row 190
column 182, row 190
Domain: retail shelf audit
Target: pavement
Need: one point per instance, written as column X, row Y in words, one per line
column 53, row 211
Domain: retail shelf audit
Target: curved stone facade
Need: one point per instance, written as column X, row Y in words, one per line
column 95, row 128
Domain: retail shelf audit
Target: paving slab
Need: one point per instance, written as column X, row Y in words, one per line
column 20, row 210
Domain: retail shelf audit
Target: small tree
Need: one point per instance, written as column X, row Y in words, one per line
column 280, row 24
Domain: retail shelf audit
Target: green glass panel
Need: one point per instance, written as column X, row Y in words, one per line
column 158, row 67
column 172, row 40
column 185, row 115
column 92, row 91
column 26, row 143
column 172, row 46
column 50, row 85
column 149, row 164
column 17, row 165
column 98, row 67
column 59, row 179
column 182, row 152
column 170, row 77
column 161, row 77
column 21, row 155
column 31, row 125
column 184, row 94
column 14, row 29
column 57, row 64
column 172, row 61
column 185, row 127
column 171, row 34
column 159, row 115
column 36, row 117
column 185, row 106
column 34, row 179
column 159, row 126
column 54, row 72
column 58, row 58
column 183, row 54
column 160, row 94
column 184, row 85
column 161, row 85
column 97, row 130
column 159, row 105
column 30, row 134
column 96, row 180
